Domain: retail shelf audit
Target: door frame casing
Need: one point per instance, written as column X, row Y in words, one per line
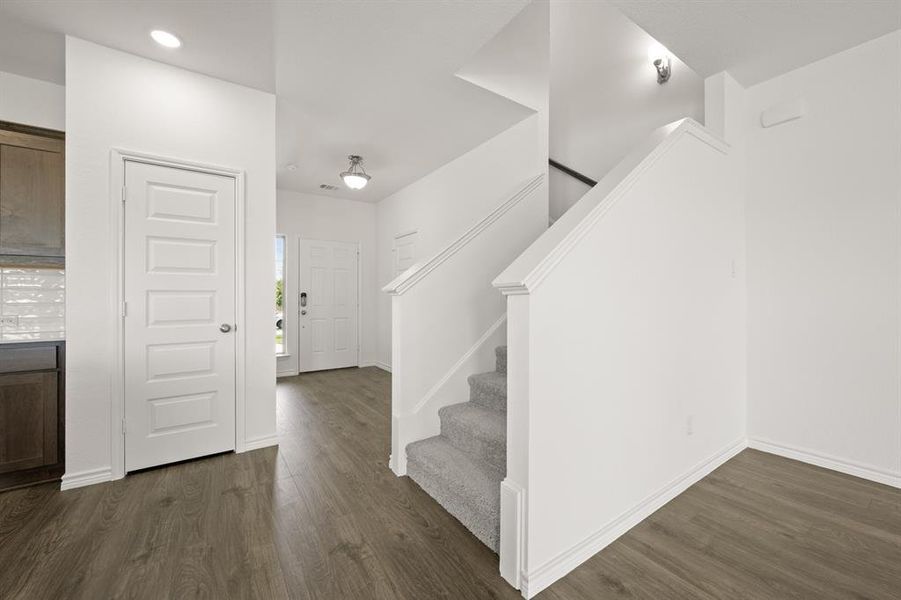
column 118, row 159
column 396, row 237
column 359, row 247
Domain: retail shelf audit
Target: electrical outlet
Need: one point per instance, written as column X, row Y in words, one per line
column 10, row 321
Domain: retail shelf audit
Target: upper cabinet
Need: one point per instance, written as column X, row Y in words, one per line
column 32, row 196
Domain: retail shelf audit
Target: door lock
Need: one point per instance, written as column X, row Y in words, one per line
column 225, row 328
column 303, row 312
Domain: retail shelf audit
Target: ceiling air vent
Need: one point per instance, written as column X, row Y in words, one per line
column 327, row 186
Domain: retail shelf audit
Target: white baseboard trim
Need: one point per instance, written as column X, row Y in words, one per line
column 396, row 467
column 513, row 498
column 71, row 481
column 381, row 365
column 827, row 462
column 556, row 568
column 260, row 442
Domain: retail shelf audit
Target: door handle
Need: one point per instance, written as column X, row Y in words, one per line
column 225, row 328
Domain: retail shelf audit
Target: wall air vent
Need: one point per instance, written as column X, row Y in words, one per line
column 327, row 186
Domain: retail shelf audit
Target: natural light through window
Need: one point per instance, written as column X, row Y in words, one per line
column 279, row 294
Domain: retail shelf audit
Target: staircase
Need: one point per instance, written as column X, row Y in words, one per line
column 462, row 468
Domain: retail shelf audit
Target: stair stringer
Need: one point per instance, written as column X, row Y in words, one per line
column 422, row 420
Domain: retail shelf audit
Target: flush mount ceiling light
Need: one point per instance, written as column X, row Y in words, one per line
column 164, row 38
column 355, row 176
column 660, row 58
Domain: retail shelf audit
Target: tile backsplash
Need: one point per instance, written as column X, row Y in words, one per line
column 32, row 304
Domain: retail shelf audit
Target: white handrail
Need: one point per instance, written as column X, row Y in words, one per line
column 417, row 272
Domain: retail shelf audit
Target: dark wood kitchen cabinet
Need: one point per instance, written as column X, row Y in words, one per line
column 32, row 196
column 32, row 412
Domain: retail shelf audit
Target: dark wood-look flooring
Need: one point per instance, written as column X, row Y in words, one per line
column 323, row 517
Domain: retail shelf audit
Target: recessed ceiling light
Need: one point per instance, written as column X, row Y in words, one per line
column 164, row 38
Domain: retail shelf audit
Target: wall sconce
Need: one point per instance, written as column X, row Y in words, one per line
column 660, row 58
column 664, row 69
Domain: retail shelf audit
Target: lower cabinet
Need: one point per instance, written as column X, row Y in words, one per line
column 31, row 413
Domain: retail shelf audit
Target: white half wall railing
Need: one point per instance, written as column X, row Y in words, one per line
column 626, row 369
column 446, row 318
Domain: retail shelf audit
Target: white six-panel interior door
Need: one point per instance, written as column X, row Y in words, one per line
column 328, row 320
column 179, row 270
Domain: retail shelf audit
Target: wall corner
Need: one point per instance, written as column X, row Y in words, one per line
column 724, row 107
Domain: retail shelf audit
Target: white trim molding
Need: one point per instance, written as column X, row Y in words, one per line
column 461, row 362
column 421, row 421
column 417, row 272
column 376, row 363
column 825, row 461
column 71, row 481
column 260, row 442
column 513, row 535
column 556, row 568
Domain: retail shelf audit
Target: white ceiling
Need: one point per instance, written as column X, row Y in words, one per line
column 374, row 78
column 378, row 79
column 228, row 40
column 756, row 40
column 516, row 62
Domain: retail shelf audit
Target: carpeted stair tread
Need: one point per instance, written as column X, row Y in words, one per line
column 500, row 354
column 489, row 390
column 478, row 431
column 467, row 488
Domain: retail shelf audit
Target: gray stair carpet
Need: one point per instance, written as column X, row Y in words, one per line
column 462, row 468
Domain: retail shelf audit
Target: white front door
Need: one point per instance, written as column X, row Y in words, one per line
column 328, row 305
column 179, row 323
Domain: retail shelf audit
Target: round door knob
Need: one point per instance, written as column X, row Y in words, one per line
column 225, row 328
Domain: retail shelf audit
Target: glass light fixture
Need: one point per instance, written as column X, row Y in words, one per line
column 355, row 176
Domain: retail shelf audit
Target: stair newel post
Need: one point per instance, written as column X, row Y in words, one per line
column 514, row 487
column 398, row 459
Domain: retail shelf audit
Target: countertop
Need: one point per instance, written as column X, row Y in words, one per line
column 41, row 341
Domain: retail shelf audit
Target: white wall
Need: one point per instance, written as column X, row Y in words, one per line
column 117, row 100
column 605, row 99
column 32, row 102
column 824, row 262
column 445, row 203
column 626, row 360
column 316, row 217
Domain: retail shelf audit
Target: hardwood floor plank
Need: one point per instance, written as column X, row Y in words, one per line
column 322, row 517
